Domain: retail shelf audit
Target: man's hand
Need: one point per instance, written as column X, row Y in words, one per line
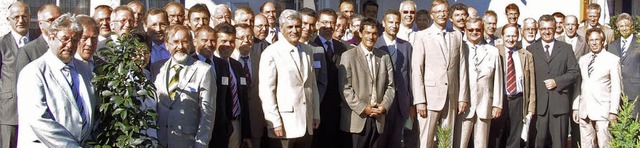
column 247, row 142
column 316, row 123
column 497, row 112
column 279, row 131
column 370, row 111
column 422, row 110
column 380, row 109
column 462, row 106
column 576, row 117
column 613, row 118
column 550, row 84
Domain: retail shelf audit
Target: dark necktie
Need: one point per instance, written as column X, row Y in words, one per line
column 234, row 94
column 546, row 49
column 329, row 50
column 511, row 75
column 590, row 67
column 208, row 61
column 247, row 72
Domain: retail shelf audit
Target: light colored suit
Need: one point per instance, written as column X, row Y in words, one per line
column 288, row 92
column 485, row 93
column 356, row 83
column 581, row 45
column 438, row 73
column 49, row 114
column 188, row 119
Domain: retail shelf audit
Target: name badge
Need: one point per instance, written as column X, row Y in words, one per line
column 225, row 80
column 317, row 64
column 243, row 81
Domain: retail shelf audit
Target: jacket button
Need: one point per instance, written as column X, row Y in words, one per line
column 445, row 83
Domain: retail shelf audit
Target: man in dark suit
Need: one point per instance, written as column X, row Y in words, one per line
column 237, row 111
column 556, row 70
column 88, row 43
column 33, row 50
column 399, row 113
column 204, row 43
column 9, row 44
column 629, row 52
column 327, row 134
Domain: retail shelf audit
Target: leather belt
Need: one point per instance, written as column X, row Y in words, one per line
column 512, row 97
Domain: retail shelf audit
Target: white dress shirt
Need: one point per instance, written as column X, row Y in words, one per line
column 515, row 56
column 20, row 39
column 573, row 41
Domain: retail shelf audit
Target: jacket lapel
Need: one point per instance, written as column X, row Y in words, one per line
column 363, row 62
column 184, row 80
column 555, row 51
column 291, row 53
column 632, row 46
column 61, row 81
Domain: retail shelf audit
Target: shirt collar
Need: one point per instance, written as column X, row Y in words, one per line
column 387, row 39
column 364, row 50
column 17, row 36
column 324, row 40
column 57, row 63
column 550, row 44
column 629, row 39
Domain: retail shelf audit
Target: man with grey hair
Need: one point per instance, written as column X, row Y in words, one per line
column 221, row 13
column 627, row 49
column 407, row 17
column 88, row 42
column 288, row 89
column 121, row 22
column 57, row 114
column 139, row 11
column 529, row 32
column 9, row 44
column 33, row 50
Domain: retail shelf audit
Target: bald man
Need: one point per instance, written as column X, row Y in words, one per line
column 221, row 14
column 176, row 12
column 33, row 50
column 268, row 9
column 260, row 27
column 138, row 14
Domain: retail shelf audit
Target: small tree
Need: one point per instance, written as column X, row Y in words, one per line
column 624, row 132
column 122, row 87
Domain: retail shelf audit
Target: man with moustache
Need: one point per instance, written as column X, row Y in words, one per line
column 9, row 47
column 33, row 50
column 186, row 94
column 243, row 15
column 87, row 44
column 628, row 49
column 401, row 110
column 593, row 16
column 198, row 16
column 155, row 24
column 268, row 9
column 260, row 27
column 556, row 71
column 330, row 103
column 407, row 17
column 102, row 15
column 138, row 12
column 347, row 8
column 437, row 66
column 529, row 32
column 175, row 11
column 288, row 87
column 221, row 14
column 458, row 16
column 513, row 13
column 490, row 21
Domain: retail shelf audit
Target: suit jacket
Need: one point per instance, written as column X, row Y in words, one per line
column 528, row 72
column 401, row 75
column 356, row 82
column 245, row 126
column 187, row 119
column 8, row 78
column 437, row 70
column 320, row 66
column 581, row 45
column 602, row 89
column 608, row 32
column 49, row 112
column 562, row 68
column 257, row 122
column 259, row 45
column 630, row 68
column 332, row 91
column 30, row 52
column 486, row 85
column 289, row 93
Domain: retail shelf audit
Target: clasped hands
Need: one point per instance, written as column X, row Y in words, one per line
column 374, row 110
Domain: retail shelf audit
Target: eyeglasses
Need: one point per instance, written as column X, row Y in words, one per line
column 67, row 39
column 407, row 12
column 474, row 30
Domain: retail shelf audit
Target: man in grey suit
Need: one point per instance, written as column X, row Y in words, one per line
column 9, row 44
column 556, row 71
column 438, row 74
column 57, row 102
column 628, row 49
column 366, row 81
column 401, row 110
column 102, row 15
column 33, row 50
column 186, row 94
column 593, row 18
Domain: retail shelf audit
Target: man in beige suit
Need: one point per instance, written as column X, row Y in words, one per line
column 436, row 79
column 599, row 100
column 485, row 86
column 593, row 15
column 186, row 94
column 366, row 81
column 288, row 89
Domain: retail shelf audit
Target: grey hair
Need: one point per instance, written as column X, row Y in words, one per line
column 624, row 16
column 66, row 20
column 408, row 2
column 289, row 14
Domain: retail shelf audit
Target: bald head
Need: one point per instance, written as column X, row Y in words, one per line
column 19, row 17
column 176, row 12
column 46, row 15
column 138, row 12
column 260, row 25
column 221, row 14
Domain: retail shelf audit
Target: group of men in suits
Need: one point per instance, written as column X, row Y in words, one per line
column 294, row 79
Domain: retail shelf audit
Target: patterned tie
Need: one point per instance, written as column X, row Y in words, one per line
column 173, row 83
column 329, row 50
column 476, row 58
column 24, row 40
column 511, row 75
column 546, row 49
column 234, row 94
column 247, row 72
column 624, row 47
column 593, row 59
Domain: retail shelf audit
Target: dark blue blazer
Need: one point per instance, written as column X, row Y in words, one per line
column 401, row 73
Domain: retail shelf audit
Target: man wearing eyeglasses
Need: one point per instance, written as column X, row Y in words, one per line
column 407, row 17
column 222, row 14
column 33, row 50
column 121, row 22
column 9, row 44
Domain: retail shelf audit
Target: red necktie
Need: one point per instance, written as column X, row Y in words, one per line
column 511, row 75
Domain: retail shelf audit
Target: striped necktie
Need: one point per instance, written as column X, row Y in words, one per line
column 511, row 75
column 593, row 59
column 173, row 83
column 234, row 94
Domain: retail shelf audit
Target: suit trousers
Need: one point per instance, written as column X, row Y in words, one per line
column 553, row 128
column 8, row 136
column 235, row 140
column 480, row 130
column 428, row 125
column 591, row 130
column 304, row 141
column 368, row 138
column 506, row 130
